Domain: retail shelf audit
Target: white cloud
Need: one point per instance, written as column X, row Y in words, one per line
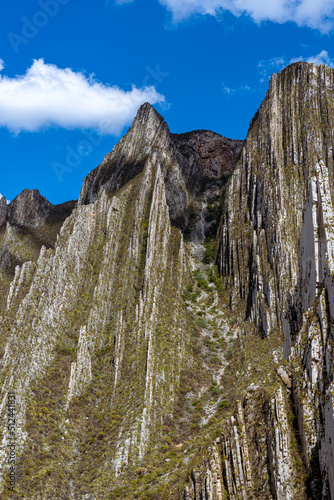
column 48, row 96
column 276, row 64
column 2, row 64
column 314, row 14
column 227, row 90
column 269, row 66
column 322, row 58
column 239, row 90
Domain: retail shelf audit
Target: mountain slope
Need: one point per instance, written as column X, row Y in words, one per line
column 26, row 224
column 173, row 338
column 96, row 333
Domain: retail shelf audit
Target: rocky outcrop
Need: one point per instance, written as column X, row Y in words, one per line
column 261, row 226
column 206, row 482
column 256, row 456
column 111, row 288
column 134, row 365
column 3, row 210
column 28, row 209
column 27, row 223
column 204, row 155
column 188, row 162
column 308, row 332
column 149, row 132
column 276, row 256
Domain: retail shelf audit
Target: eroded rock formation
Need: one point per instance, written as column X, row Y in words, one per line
column 152, row 358
column 27, row 223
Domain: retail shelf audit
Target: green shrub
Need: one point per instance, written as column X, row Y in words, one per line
column 202, row 323
column 198, row 275
column 202, row 283
column 209, row 256
column 224, row 404
column 215, row 390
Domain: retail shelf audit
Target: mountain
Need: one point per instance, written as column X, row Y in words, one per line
column 170, row 334
column 26, row 224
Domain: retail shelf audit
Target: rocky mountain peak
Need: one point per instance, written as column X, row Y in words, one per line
column 147, row 119
column 205, row 156
column 29, row 208
column 217, row 154
column 188, row 161
column 128, row 157
column 29, row 222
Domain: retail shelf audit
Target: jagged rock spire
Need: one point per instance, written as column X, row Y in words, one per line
column 29, row 208
column 188, row 161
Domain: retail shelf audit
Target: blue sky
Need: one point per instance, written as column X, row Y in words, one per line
column 73, row 74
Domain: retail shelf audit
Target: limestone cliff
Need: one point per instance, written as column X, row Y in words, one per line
column 188, row 162
column 96, row 333
column 152, row 357
column 308, row 331
column 261, row 227
column 27, row 223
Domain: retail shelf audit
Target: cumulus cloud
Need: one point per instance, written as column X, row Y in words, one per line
column 2, row 64
column 322, row 58
column 314, row 14
column 47, row 96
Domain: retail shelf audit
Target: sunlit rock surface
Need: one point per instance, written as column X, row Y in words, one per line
column 170, row 336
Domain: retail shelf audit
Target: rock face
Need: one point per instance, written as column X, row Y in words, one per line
column 262, row 223
column 145, row 350
column 188, row 162
column 308, row 330
column 204, row 156
column 29, row 209
column 3, row 210
column 27, row 223
column 112, row 303
column 255, row 445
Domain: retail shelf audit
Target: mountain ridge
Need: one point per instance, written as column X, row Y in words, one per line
column 175, row 342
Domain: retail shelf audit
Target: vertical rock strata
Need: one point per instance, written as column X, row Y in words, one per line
column 261, row 226
column 254, row 457
column 308, row 331
column 26, row 224
column 3, row 210
column 276, row 257
column 188, row 162
column 115, row 290
column 103, row 332
column 95, row 331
